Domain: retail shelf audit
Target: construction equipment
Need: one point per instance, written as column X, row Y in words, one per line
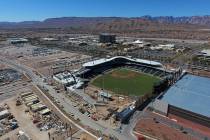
column 18, row 102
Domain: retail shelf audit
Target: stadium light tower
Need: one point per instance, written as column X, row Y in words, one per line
column 103, row 80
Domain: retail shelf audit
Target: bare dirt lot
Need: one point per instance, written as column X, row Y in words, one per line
column 195, row 126
column 25, row 121
column 43, row 60
column 160, row 131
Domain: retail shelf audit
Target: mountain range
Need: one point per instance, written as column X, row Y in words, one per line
column 195, row 27
column 90, row 22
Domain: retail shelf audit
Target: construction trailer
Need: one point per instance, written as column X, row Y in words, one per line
column 45, row 111
column 38, row 107
column 30, row 98
column 4, row 114
column 25, row 94
column 32, row 95
column 32, row 102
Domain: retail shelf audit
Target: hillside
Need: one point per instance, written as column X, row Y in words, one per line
column 88, row 21
column 146, row 26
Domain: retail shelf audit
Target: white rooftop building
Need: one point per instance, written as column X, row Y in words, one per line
column 205, row 53
column 17, row 40
column 138, row 42
column 49, row 39
column 64, row 78
column 163, row 47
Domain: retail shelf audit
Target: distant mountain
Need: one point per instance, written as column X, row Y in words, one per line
column 96, row 22
column 198, row 20
column 195, row 27
column 62, row 22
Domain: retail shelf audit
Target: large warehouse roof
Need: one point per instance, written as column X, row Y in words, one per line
column 190, row 93
column 104, row 60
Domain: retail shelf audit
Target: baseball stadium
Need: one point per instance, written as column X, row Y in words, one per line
column 124, row 75
column 137, row 80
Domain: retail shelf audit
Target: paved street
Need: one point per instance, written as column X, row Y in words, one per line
column 84, row 96
column 127, row 129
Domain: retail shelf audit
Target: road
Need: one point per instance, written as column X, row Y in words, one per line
column 67, row 104
column 128, row 129
column 85, row 97
column 190, row 41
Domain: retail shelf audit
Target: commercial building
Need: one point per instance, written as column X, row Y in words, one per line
column 65, row 78
column 125, row 114
column 17, row 40
column 107, row 38
column 188, row 98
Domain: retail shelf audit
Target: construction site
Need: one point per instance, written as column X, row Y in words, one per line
column 67, row 95
column 38, row 117
column 39, row 109
column 104, row 70
column 19, row 96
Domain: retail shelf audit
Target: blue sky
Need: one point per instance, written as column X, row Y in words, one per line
column 21, row 10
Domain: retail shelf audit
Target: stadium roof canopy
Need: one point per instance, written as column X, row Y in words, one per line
column 190, row 93
column 104, row 60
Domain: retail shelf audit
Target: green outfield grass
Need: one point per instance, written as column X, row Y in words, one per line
column 126, row 82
